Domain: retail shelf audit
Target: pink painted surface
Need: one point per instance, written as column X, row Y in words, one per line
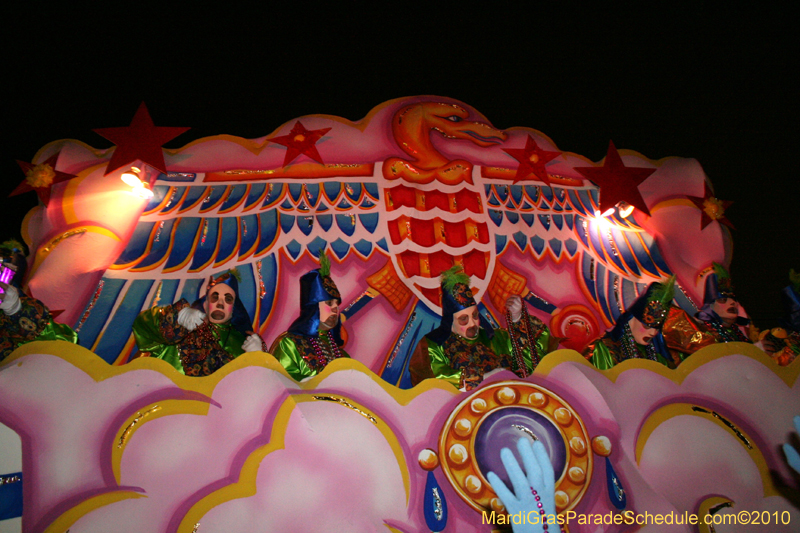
column 338, row 471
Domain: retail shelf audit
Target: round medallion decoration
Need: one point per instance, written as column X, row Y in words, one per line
column 496, row 417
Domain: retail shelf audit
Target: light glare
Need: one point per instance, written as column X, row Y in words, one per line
column 131, row 179
column 625, row 209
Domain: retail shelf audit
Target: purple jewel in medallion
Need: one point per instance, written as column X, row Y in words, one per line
column 497, row 431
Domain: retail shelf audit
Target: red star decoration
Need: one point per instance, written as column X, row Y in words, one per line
column 617, row 182
column 301, row 141
column 532, row 160
column 142, row 141
column 712, row 208
column 42, row 192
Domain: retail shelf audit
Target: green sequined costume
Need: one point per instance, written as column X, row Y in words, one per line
column 195, row 353
column 463, row 362
column 651, row 310
column 32, row 322
column 606, row 353
column 298, row 356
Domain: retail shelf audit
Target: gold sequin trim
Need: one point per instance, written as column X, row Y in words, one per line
column 61, row 237
column 7, row 480
column 139, row 416
column 349, row 405
column 728, row 423
column 526, row 430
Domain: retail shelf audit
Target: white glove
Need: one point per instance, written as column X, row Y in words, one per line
column 252, row 343
column 9, row 299
column 190, row 318
column 538, row 476
column 514, row 305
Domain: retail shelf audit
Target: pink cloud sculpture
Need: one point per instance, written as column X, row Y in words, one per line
column 140, row 447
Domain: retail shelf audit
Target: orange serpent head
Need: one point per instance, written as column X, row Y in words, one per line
column 449, row 120
column 412, row 125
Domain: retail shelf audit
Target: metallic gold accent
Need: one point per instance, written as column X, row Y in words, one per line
column 601, row 445
column 349, row 405
column 458, row 454
column 196, row 527
column 506, row 395
column 702, row 273
column 61, row 237
column 473, row 484
column 437, row 504
column 428, row 459
column 158, row 231
column 717, row 508
column 478, row 405
column 577, row 445
column 496, row 505
column 157, row 297
column 610, row 238
column 563, row 416
column 576, row 474
column 90, row 306
column 714, row 208
column 139, row 417
column 462, row 427
column 402, row 338
column 239, row 172
column 714, row 509
column 537, row 399
column 728, row 423
column 525, row 430
column 7, row 480
column 562, row 499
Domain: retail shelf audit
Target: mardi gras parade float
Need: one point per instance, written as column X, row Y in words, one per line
column 292, row 425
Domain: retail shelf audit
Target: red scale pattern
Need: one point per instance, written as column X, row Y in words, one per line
column 402, row 196
column 474, row 263
column 423, row 232
column 427, row 233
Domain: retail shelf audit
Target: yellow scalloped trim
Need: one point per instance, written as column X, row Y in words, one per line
column 670, row 411
column 68, row 519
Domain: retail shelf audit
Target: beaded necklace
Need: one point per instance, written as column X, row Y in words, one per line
column 519, row 360
column 325, row 356
column 629, row 349
column 726, row 333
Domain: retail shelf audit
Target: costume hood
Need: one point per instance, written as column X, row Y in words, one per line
column 456, row 296
column 718, row 285
column 651, row 309
column 315, row 287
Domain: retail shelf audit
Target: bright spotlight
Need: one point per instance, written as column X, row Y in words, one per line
column 625, row 209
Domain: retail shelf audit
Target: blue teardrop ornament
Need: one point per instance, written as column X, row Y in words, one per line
column 435, row 505
column 616, row 493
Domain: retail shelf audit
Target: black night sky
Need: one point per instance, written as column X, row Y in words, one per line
column 683, row 81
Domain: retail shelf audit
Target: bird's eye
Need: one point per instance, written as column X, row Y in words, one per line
column 454, row 118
